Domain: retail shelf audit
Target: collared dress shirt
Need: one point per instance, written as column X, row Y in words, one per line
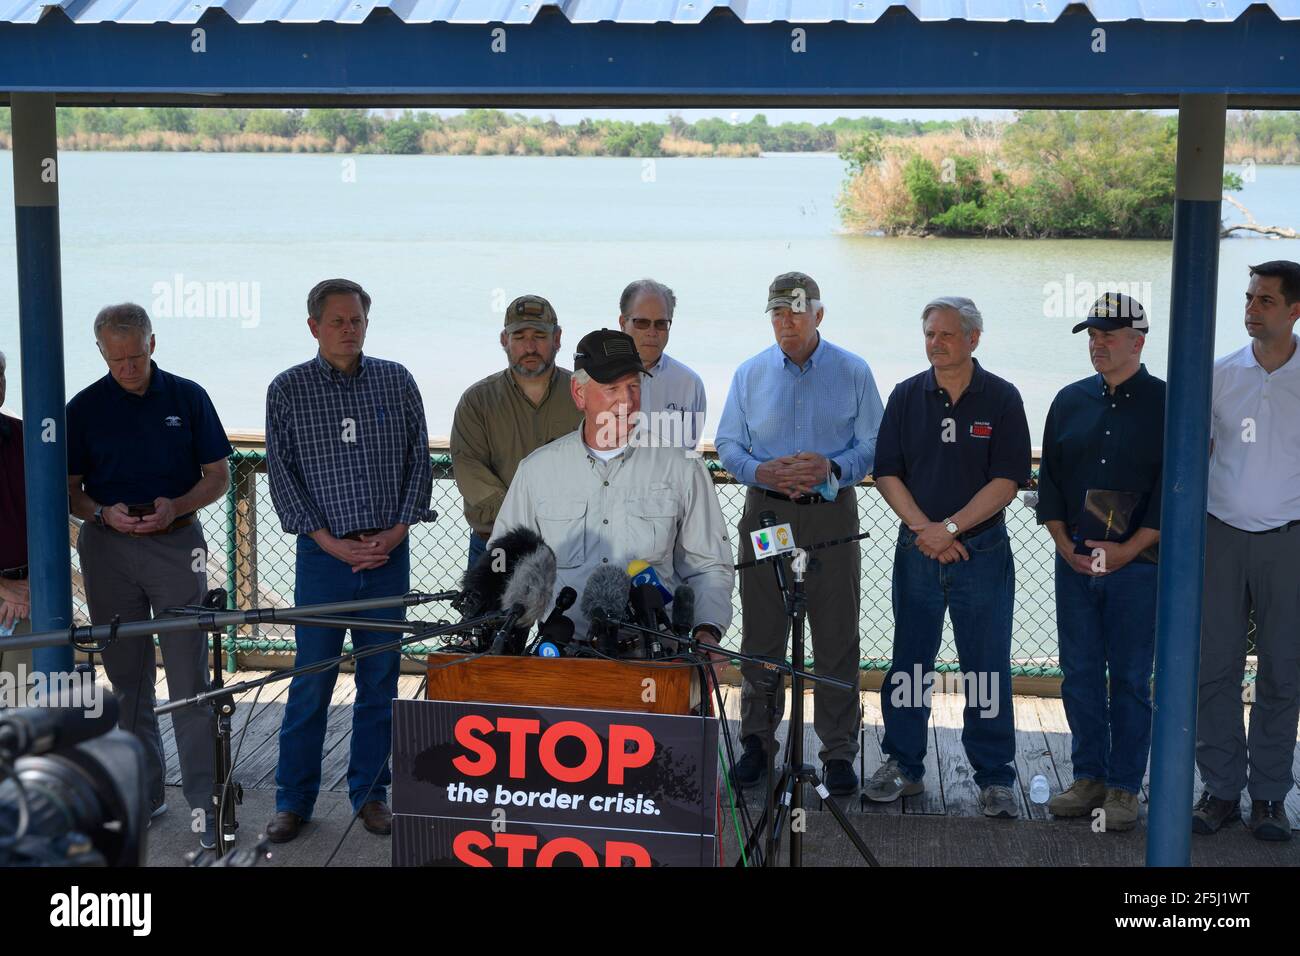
column 347, row 453
column 829, row 405
column 654, row 504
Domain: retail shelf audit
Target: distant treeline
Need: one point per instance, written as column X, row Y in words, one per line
column 478, row 132
column 1056, row 173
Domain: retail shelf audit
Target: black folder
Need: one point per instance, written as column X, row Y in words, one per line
column 1112, row 516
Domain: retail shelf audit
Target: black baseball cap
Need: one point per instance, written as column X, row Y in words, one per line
column 607, row 355
column 1113, row 311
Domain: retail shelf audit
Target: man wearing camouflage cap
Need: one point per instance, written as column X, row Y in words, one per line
column 799, row 428
column 502, row 419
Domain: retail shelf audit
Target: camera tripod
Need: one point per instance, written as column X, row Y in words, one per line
column 784, row 806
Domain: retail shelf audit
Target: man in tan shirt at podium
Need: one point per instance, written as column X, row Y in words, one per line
column 602, row 496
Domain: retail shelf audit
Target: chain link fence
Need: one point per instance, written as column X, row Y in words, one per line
column 254, row 560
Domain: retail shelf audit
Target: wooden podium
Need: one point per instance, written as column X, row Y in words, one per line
column 588, row 683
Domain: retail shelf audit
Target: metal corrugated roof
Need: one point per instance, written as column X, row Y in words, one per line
column 628, row 11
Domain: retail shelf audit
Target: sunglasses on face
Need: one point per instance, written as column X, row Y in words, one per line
column 660, row 325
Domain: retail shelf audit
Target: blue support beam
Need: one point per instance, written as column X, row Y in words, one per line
column 1197, row 211
column 40, row 321
column 557, row 61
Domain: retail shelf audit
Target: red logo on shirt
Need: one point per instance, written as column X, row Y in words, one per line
column 981, row 430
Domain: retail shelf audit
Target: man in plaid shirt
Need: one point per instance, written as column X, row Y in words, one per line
column 347, row 454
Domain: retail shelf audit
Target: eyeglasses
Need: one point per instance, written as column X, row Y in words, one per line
column 661, row 325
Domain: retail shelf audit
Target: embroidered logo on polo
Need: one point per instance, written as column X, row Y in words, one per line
column 172, row 421
column 981, row 430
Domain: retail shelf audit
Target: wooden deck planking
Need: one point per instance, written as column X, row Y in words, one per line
column 1033, row 756
column 930, row 800
column 874, row 757
column 960, row 792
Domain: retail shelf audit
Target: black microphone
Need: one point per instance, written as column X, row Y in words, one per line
column 556, row 632
column 683, row 609
column 30, row 731
column 647, row 606
column 526, row 596
column 767, row 520
column 603, row 604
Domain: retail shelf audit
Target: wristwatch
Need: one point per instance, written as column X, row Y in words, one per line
column 99, row 516
column 951, row 527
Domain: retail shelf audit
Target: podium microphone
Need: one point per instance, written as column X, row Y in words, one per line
column 526, row 594
column 603, row 604
column 556, row 632
column 768, row 520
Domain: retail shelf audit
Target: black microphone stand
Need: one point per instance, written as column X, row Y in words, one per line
column 794, row 771
column 227, row 793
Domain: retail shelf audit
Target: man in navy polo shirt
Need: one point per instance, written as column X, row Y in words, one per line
column 1104, row 438
column 952, row 450
column 146, row 451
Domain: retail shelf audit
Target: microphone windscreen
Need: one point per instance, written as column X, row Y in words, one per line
column 684, row 608
column 606, row 590
column 531, row 585
column 486, row 581
column 767, row 519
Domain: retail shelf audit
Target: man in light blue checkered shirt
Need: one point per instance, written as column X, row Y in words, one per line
column 347, row 455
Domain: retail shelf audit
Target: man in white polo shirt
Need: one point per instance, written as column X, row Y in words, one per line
column 673, row 402
column 1252, row 563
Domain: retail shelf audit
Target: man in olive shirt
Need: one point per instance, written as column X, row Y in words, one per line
column 505, row 417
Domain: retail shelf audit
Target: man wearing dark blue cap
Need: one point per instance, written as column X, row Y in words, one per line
column 1099, row 496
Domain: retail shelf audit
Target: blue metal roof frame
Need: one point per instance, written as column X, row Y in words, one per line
column 631, row 11
column 363, row 52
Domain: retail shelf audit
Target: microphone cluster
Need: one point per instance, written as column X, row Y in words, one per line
column 628, row 611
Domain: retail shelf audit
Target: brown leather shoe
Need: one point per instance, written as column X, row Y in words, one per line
column 284, row 826
column 377, row 818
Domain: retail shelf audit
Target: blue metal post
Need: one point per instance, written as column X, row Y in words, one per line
column 1201, row 120
column 40, row 321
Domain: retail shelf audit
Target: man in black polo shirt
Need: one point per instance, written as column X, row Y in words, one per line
column 1104, row 442
column 146, row 451
column 952, row 450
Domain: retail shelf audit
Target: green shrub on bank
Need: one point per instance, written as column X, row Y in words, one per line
column 1047, row 174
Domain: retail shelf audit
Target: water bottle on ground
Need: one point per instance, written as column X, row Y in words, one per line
column 1039, row 791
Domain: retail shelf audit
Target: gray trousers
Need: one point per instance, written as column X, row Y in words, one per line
column 832, row 586
column 16, row 663
column 1245, row 571
column 136, row 577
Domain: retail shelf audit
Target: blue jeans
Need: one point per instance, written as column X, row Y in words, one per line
column 322, row 579
column 1102, row 623
column 978, row 594
column 477, row 548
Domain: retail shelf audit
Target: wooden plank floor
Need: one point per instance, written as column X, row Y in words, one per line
column 1042, row 746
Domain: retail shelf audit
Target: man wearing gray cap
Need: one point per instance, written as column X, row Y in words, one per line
column 503, row 418
column 799, row 428
column 1103, row 454
column 600, row 498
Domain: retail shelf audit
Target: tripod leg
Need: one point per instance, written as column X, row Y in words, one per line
column 842, row 818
